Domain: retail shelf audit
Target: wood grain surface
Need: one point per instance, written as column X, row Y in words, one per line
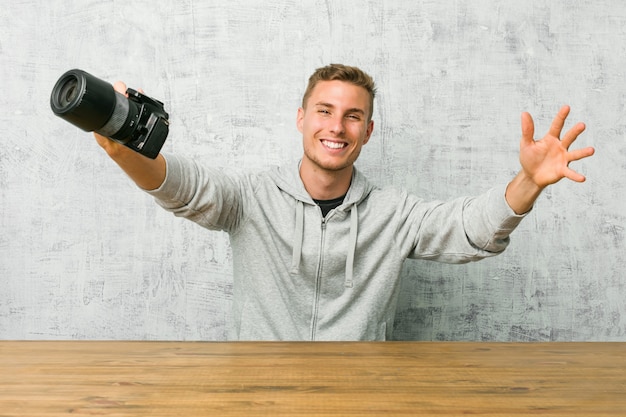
column 81, row 378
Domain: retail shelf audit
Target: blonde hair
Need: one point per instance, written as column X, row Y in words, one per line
column 340, row 72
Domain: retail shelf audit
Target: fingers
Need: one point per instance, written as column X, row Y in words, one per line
column 575, row 156
column 573, row 175
column 572, row 134
column 120, row 87
column 555, row 128
column 559, row 121
column 528, row 128
column 579, row 154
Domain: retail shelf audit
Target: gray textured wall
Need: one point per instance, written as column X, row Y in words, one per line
column 85, row 255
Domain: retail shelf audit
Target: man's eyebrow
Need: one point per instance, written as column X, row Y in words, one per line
column 352, row 110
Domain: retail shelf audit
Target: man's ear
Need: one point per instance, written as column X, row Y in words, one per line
column 300, row 118
column 368, row 132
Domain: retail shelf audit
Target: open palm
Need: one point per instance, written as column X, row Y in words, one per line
column 546, row 161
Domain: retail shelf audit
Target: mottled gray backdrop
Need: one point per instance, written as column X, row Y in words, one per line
column 85, row 255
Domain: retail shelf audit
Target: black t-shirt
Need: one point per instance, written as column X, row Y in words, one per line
column 328, row 205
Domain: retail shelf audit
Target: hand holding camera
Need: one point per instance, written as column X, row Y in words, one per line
column 130, row 118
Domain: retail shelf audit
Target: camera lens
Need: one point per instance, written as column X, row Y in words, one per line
column 93, row 105
column 68, row 92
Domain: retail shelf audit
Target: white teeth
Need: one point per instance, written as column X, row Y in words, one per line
column 334, row 145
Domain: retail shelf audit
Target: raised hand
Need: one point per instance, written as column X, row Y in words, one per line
column 546, row 161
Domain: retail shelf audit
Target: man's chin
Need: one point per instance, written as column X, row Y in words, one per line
column 331, row 166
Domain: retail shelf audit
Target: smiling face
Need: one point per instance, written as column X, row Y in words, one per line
column 335, row 124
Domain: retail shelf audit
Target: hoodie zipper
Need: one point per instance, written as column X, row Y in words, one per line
column 318, row 280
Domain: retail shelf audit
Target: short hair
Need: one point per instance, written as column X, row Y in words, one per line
column 340, row 72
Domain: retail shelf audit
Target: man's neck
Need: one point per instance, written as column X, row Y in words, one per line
column 323, row 184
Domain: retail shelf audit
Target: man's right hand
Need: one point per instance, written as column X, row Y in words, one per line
column 147, row 173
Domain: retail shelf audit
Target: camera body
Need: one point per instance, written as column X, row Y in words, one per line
column 137, row 121
column 151, row 125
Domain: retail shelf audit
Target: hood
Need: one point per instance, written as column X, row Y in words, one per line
column 287, row 178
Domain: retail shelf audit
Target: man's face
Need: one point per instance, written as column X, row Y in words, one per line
column 334, row 125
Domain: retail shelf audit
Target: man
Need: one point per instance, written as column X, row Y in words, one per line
column 317, row 249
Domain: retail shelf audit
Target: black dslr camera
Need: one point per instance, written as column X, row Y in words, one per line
column 85, row 101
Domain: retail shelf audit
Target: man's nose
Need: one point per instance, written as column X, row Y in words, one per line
column 337, row 125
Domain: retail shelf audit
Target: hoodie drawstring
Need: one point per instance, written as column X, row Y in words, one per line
column 297, row 239
column 299, row 235
column 354, row 222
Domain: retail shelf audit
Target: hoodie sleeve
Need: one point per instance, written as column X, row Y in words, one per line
column 462, row 230
column 203, row 195
column 489, row 220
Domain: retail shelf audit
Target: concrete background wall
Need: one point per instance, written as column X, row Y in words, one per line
column 85, row 255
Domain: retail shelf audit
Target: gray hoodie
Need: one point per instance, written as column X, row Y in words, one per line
column 299, row 276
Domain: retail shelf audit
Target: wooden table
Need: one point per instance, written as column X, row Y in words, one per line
column 194, row 379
